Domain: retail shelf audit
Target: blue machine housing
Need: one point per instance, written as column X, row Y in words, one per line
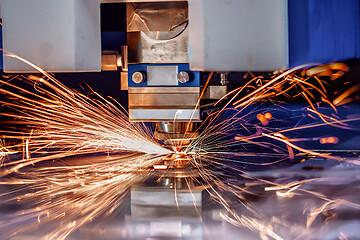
column 323, row 30
column 1, row 52
column 194, row 75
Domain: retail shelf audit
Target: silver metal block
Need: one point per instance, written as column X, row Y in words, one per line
column 58, row 36
column 215, row 92
column 164, row 104
column 238, row 35
column 163, row 100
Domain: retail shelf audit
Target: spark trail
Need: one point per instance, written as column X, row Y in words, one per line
column 61, row 124
column 235, row 138
column 67, row 197
column 58, row 123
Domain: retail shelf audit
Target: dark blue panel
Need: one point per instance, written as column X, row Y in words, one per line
column 113, row 40
column 332, row 29
column 1, row 52
column 357, row 26
column 323, row 30
column 194, row 76
column 298, row 32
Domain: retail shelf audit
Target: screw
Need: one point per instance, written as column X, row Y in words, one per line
column 138, row 77
column 183, row 77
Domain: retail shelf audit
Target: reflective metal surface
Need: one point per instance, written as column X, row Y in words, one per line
column 174, row 100
column 172, row 127
column 176, row 134
column 143, row 49
column 155, row 16
column 169, row 209
column 157, row 32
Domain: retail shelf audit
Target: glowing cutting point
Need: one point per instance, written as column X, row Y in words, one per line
column 160, row 167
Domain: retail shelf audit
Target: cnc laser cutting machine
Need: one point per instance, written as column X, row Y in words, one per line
column 155, row 57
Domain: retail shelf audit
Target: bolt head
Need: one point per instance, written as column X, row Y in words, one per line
column 138, row 77
column 183, row 77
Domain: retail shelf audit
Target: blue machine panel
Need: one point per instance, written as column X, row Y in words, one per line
column 1, row 52
column 194, row 76
column 323, row 30
column 113, row 40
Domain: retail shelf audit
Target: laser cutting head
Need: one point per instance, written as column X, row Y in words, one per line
column 176, row 135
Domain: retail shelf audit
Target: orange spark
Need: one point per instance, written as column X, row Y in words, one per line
column 264, row 121
column 333, row 140
column 268, row 116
